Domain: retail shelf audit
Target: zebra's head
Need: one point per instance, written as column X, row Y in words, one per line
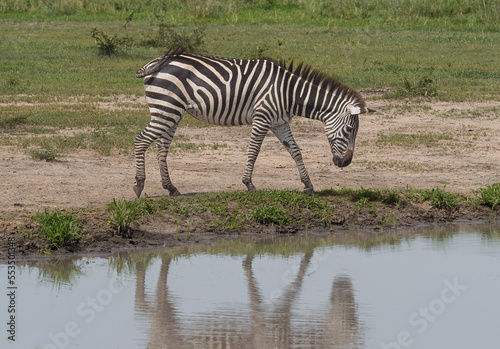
column 341, row 131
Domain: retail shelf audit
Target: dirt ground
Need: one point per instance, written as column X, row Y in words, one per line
column 467, row 161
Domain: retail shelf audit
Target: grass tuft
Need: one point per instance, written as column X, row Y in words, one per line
column 270, row 214
column 489, row 195
column 58, row 228
column 438, row 198
column 423, row 87
column 45, row 154
column 123, row 213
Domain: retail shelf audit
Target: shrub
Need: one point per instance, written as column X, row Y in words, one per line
column 58, row 228
column 108, row 45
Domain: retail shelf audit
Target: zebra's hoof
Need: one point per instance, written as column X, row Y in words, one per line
column 138, row 191
column 175, row 192
column 309, row 191
column 251, row 188
column 249, row 185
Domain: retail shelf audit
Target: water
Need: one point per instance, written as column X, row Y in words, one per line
column 423, row 291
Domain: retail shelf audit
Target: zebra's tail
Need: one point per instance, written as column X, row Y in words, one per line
column 159, row 63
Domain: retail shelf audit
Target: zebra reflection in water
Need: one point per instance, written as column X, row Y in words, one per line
column 265, row 327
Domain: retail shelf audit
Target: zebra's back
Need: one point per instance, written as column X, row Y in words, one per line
column 217, row 90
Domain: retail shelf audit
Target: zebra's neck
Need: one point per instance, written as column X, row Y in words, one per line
column 312, row 101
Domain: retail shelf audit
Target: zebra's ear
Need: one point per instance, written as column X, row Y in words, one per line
column 354, row 110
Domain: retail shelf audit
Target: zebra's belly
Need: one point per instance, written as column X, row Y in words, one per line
column 217, row 118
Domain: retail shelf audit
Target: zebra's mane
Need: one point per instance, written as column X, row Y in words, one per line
column 321, row 79
column 303, row 70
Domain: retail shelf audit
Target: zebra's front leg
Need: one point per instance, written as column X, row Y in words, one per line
column 163, row 144
column 284, row 134
column 259, row 131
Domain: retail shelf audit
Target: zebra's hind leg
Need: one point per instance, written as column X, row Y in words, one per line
column 259, row 131
column 284, row 134
column 163, row 144
column 141, row 143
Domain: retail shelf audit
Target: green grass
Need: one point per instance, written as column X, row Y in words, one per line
column 392, row 12
column 123, row 213
column 242, row 211
column 233, row 211
column 270, row 214
column 238, row 211
column 55, row 79
column 413, row 140
column 58, row 228
column 437, row 197
column 489, row 195
column 46, row 155
column 364, row 55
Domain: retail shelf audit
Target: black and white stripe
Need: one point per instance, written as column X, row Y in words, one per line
column 259, row 92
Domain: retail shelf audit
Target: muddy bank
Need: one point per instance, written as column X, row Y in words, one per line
column 168, row 229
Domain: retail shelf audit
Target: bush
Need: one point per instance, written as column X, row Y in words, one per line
column 58, row 228
column 108, row 45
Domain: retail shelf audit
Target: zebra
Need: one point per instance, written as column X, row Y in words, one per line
column 263, row 93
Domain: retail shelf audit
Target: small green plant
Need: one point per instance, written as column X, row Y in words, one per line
column 45, row 154
column 417, row 87
column 123, row 214
column 58, row 228
column 489, row 195
column 329, row 216
column 234, row 222
column 442, row 199
column 270, row 214
column 390, row 219
column 108, row 45
column 392, row 197
column 362, row 202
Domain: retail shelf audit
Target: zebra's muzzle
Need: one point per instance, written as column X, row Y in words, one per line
column 344, row 160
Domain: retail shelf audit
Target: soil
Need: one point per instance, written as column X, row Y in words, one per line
column 467, row 159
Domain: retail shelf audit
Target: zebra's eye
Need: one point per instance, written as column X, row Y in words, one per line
column 348, row 128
